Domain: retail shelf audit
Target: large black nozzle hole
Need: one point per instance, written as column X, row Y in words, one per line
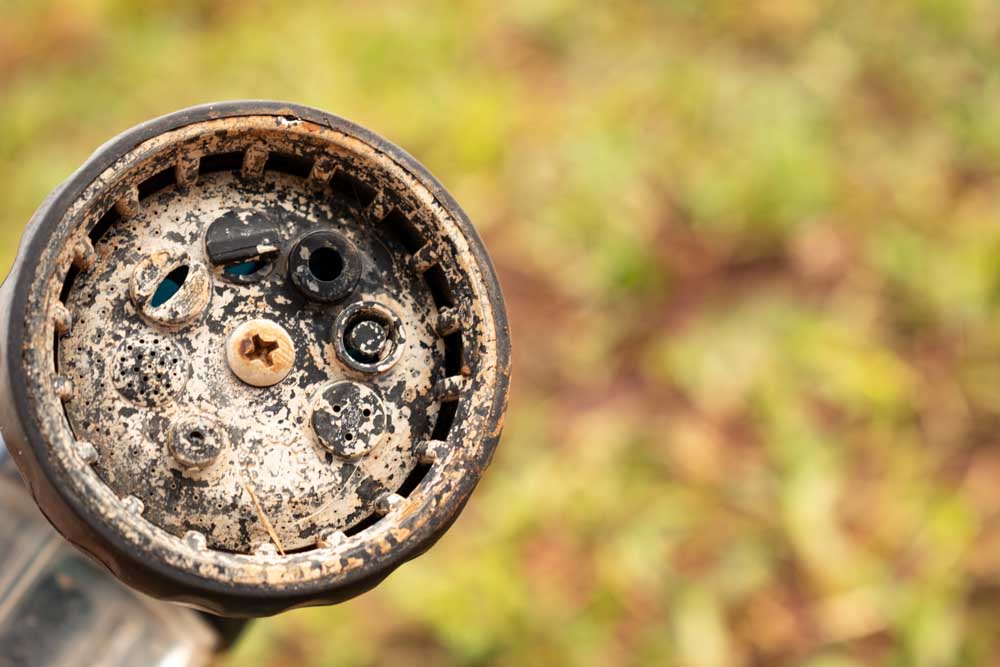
column 326, row 264
column 169, row 286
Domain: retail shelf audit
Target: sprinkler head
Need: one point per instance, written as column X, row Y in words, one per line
column 256, row 358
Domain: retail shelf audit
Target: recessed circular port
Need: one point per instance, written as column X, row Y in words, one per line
column 195, row 441
column 368, row 337
column 324, row 266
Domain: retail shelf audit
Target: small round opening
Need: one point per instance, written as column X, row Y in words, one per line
column 326, row 264
column 196, row 437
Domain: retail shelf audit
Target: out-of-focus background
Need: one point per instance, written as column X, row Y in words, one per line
column 751, row 253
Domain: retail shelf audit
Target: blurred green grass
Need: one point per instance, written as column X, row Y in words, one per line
column 752, row 259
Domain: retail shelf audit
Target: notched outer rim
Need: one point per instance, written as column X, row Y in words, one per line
column 80, row 524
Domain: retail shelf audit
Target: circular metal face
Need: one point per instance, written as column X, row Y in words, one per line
column 260, row 358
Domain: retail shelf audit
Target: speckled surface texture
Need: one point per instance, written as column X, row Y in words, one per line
column 173, row 460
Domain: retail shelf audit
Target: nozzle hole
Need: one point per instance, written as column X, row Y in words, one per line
column 170, row 285
column 325, row 264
